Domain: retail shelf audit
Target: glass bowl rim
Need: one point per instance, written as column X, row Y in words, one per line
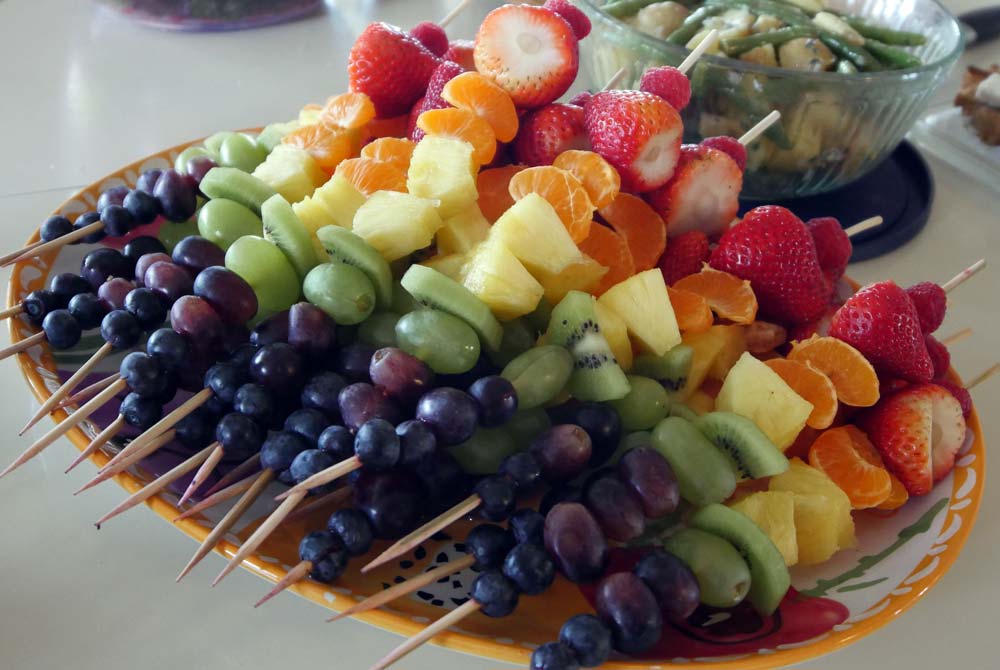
column 744, row 66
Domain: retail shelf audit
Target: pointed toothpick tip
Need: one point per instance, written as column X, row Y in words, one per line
column 435, row 628
column 867, row 224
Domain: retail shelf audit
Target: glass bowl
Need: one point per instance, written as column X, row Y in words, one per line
column 211, row 15
column 834, row 128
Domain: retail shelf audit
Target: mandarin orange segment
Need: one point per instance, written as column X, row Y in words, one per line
column 477, row 94
column 390, row 150
column 566, row 195
column 609, row 249
column 897, row 498
column 327, row 145
column 848, row 458
column 691, row 310
column 640, row 225
column 852, row 375
column 812, row 385
column 461, row 124
column 729, row 296
column 597, row 176
column 494, row 190
column 393, row 127
column 369, row 175
column 348, row 110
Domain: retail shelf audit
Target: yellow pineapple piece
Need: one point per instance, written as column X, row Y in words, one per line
column 463, row 231
column 733, row 346
column 341, row 201
column 642, row 302
column 442, row 169
column 496, row 277
column 583, row 274
column 616, row 333
column 707, row 347
column 309, row 115
column 450, row 265
column 291, row 171
column 754, row 390
column 532, row 229
column 397, row 224
column 774, row 513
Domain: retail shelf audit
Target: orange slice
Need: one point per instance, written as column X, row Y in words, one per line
column 763, row 337
column 640, row 225
column 852, row 375
column 392, row 127
column 390, row 150
column 729, row 296
column 369, row 175
column 461, row 124
column 609, row 249
column 691, row 310
column 348, row 110
column 479, row 95
column 848, row 458
column 596, row 174
column 812, row 385
column 898, row 497
column 328, row 146
column 494, row 190
column 564, row 192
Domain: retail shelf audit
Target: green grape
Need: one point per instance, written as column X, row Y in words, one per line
column 539, row 374
column 342, row 291
column 180, row 164
column 271, row 136
column 263, row 265
column 482, row 453
column 518, row 337
column 225, row 221
column 379, row 330
column 172, row 233
column 446, row 343
column 241, row 152
column 214, row 143
column 644, row 406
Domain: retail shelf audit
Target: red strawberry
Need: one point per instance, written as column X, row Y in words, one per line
column 391, row 67
column 881, row 322
column 638, row 133
column 684, row 256
column 546, row 133
column 461, row 52
column 961, row 394
column 530, row 52
column 940, row 356
column 432, row 36
column 443, row 73
column 729, row 145
column 931, row 302
column 574, row 17
column 821, row 326
column 918, row 431
column 581, row 99
column 703, row 194
column 669, row 83
column 773, row 249
column 833, row 246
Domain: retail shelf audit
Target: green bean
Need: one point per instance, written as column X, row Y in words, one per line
column 892, row 57
column 787, row 13
column 860, row 56
column 885, row 35
column 622, row 8
column 845, row 66
column 692, row 24
column 738, row 45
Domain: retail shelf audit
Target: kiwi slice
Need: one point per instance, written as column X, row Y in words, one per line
column 769, row 578
column 343, row 246
column 671, row 369
column 433, row 289
column 233, row 184
column 284, row 228
column 596, row 374
column 723, row 576
column 752, row 452
column 704, row 474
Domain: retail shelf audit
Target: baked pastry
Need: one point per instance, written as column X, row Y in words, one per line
column 979, row 98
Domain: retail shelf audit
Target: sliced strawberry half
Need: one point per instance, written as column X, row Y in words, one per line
column 702, row 195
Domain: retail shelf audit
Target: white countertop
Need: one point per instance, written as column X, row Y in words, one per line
column 82, row 92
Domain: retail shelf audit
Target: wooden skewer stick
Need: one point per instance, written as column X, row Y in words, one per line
column 291, row 578
column 409, row 542
column 148, row 449
column 261, row 534
column 955, row 338
column 157, row 485
column 867, row 224
column 406, row 588
column 11, row 311
column 7, row 258
column 63, row 427
column 750, row 136
column 345, row 467
column 102, row 438
column 23, row 345
column 710, row 40
column 68, row 386
column 331, row 499
column 217, row 498
column 963, row 276
column 439, row 626
column 453, row 14
column 229, row 520
column 983, row 377
column 203, row 472
column 88, row 392
column 616, row 79
column 247, row 467
column 35, row 250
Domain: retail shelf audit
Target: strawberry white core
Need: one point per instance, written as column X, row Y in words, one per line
column 710, row 201
column 658, row 158
column 526, row 47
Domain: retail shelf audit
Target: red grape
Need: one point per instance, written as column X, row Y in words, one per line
column 228, row 293
column 615, row 508
column 650, row 477
column 562, row 451
column 169, row 280
column 144, row 262
column 113, row 292
column 194, row 318
column 311, row 331
column 403, row 376
column 575, row 542
column 196, row 253
column 628, row 607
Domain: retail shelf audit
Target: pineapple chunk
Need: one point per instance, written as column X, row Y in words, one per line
column 450, row 265
column 755, row 391
column 340, row 200
column 397, row 224
column 642, row 302
column 583, row 274
column 774, row 513
column 309, row 115
column 734, row 344
column 442, row 169
column 823, row 522
column 463, row 231
column 313, row 214
column 291, row 172
column 497, row 278
column 616, row 333
column 708, row 346
column 532, row 229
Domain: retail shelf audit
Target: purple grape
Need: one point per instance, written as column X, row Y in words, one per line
column 145, row 261
column 113, row 196
column 354, row 362
column 672, row 583
column 102, row 264
column 311, row 331
column 138, row 247
column 392, row 501
column 195, row 319
column 451, row 414
column 575, row 542
column 114, row 292
column 272, row 329
column 651, row 479
column 196, row 253
column 360, row 403
column 147, row 180
column 278, row 368
column 615, row 507
column 169, row 280
column 177, row 196
column 497, row 400
column 227, row 292
column 629, row 608
column 563, row 452
column 198, row 167
column 604, row 427
column 403, row 376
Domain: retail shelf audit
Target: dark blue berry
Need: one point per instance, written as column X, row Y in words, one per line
column 88, row 310
column 554, row 656
column 169, row 347
column 496, row 594
column 147, row 180
column 85, row 220
column 309, row 463
column 444, row 479
column 498, row 497
column 120, row 329
column 522, row 469
column 55, row 227
column 588, row 637
column 225, row 379
column 38, row 304
column 528, row 526
column 147, row 307
column 242, row 355
column 497, row 400
column 317, row 545
column 254, row 401
column 196, row 430
column 452, row 414
column 321, row 391
column 338, row 442
column 239, row 435
column 118, row 221
column 489, row 544
column 143, row 207
column 353, row 529
column 66, row 285
column 104, row 263
column 330, row 568
column 603, row 425
column 113, row 196
column 61, row 330
column 417, row 442
column 143, row 373
column 140, row 413
column 309, row 423
column 529, row 566
column 377, row 445
column 280, row 449
column 559, row 494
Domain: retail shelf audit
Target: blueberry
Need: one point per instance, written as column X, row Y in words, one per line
column 197, row 429
column 309, row 423
column 140, row 413
column 330, row 568
column 104, row 263
column 88, row 310
column 528, row 526
column 354, row 361
column 309, row 463
column 113, row 196
column 254, row 401
column 120, row 329
column 143, row 373
column 169, row 347
column 280, row 449
column 242, row 354
column 496, row 594
column 554, row 656
column 353, row 529
column 603, row 425
column 225, row 379
column 66, row 285
column 55, row 227
column 377, row 445
column 147, row 180
column 497, row 400
column 85, row 220
column 444, row 479
column 143, row 207
column 588, row 637
column 146, row 306
column 489, row 544
column 450, row 413
column 529, row 566
column 38, row 304
column 138, row 247
column 321, row 391
column 239, row 435
column 417, row 442
column 337, row 441
column 61, row 330
column 317, row 545
column 118, row 221
column 498, row 498
column 522, row 469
